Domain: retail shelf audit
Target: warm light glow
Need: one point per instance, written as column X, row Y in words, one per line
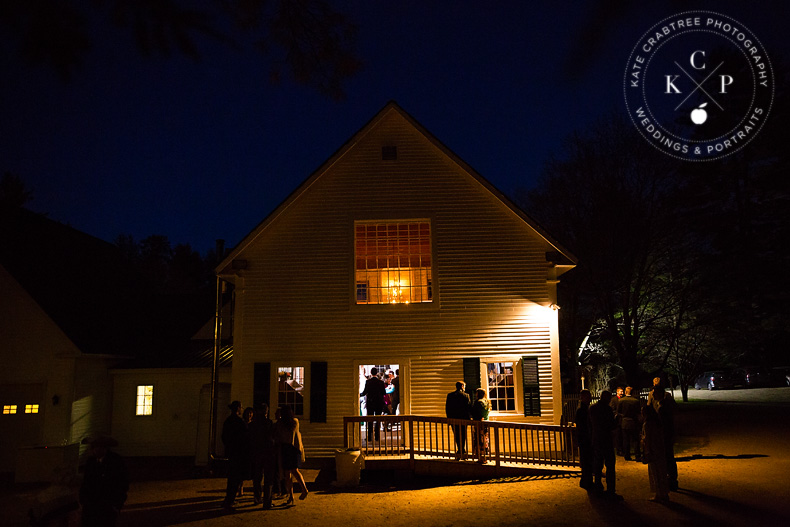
column 31, row 408
column 9, row 409
column 396, row 288
column 145, row 400
column 393, row 263
column 554, row 307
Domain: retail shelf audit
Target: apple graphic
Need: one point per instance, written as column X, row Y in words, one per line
column 698, row 115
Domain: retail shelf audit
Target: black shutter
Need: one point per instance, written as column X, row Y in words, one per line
column 318, row 374
column 472, row 375
column 261, row 384
column 529, row 376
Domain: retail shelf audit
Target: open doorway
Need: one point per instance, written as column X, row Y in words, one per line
column 390, row 375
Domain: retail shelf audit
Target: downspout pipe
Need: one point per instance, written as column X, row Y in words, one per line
column 212, row 437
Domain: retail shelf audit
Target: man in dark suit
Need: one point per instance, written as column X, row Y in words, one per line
column 603, row 423
column 263, row 456
column 234, row 437
column 458, row 406
column 630, row 409
column 374, row 400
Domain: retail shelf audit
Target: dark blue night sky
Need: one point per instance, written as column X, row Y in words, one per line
column 203, row 150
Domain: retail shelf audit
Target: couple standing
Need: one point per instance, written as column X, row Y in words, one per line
column 460, row 406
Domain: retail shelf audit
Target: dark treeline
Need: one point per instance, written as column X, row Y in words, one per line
column 175, row 288
column 144, row 299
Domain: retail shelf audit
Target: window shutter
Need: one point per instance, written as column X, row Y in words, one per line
column 529, row 376
column 261, row 384
column 318, row 376
column 472, row 374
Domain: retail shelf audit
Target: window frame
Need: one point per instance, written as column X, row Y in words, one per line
column 517, row 390
column 304, row 391
column 137, row 387
column 431, row 289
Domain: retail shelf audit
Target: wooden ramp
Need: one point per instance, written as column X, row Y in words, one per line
column 427, row 445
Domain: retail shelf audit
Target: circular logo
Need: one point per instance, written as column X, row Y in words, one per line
column 698, row 85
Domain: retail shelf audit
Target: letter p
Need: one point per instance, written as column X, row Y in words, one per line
column 726, row 80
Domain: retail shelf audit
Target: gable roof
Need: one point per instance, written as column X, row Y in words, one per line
column 77, row 279
column 561, row 257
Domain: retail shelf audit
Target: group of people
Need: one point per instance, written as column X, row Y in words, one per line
column 459, row 405
column 264, row 451
column 382, row 397
column 616, row 424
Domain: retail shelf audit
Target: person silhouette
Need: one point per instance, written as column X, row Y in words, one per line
column 603, row 423
column 234, row 437
column 289, row 439
column 374, row 392
column 263, row 456
column 584, row 439
column 104, row 485
column 458, row 406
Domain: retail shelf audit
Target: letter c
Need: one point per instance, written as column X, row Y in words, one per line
column 691, row 60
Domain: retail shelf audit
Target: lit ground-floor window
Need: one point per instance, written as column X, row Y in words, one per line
column 290, row 388
column 145, row 400
column 501, row 386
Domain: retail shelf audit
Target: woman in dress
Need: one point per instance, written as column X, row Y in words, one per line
column 480, row 410
column 287, row 436
column 653, row 442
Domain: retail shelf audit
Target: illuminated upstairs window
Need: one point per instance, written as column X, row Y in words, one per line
column 9, row 409
column 393, row 263
column 31, row 408
column 145, row 400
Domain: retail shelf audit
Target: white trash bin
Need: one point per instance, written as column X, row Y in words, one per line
column 348, row 464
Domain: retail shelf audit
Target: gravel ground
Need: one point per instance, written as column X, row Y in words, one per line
column 733, row 460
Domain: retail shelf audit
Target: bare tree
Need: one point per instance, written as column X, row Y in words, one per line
column 607, row 199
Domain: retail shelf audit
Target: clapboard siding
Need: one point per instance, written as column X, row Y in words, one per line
column 296, row 298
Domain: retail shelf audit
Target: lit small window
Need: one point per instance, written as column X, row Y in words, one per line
column 145, row 400
column 290, row 385
column 31, row 408
column 9, row 409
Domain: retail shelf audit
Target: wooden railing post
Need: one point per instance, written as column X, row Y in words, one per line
column 497, row 456
column 412, row 462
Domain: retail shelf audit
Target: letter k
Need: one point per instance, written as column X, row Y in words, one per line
column 670, row 84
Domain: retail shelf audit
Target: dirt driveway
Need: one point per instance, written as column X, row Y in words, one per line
column 733, row 460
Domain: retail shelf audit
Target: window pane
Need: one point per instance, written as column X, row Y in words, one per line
column 501, row 388
column 392, row 263
column 145, row 400
column 290, row 388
